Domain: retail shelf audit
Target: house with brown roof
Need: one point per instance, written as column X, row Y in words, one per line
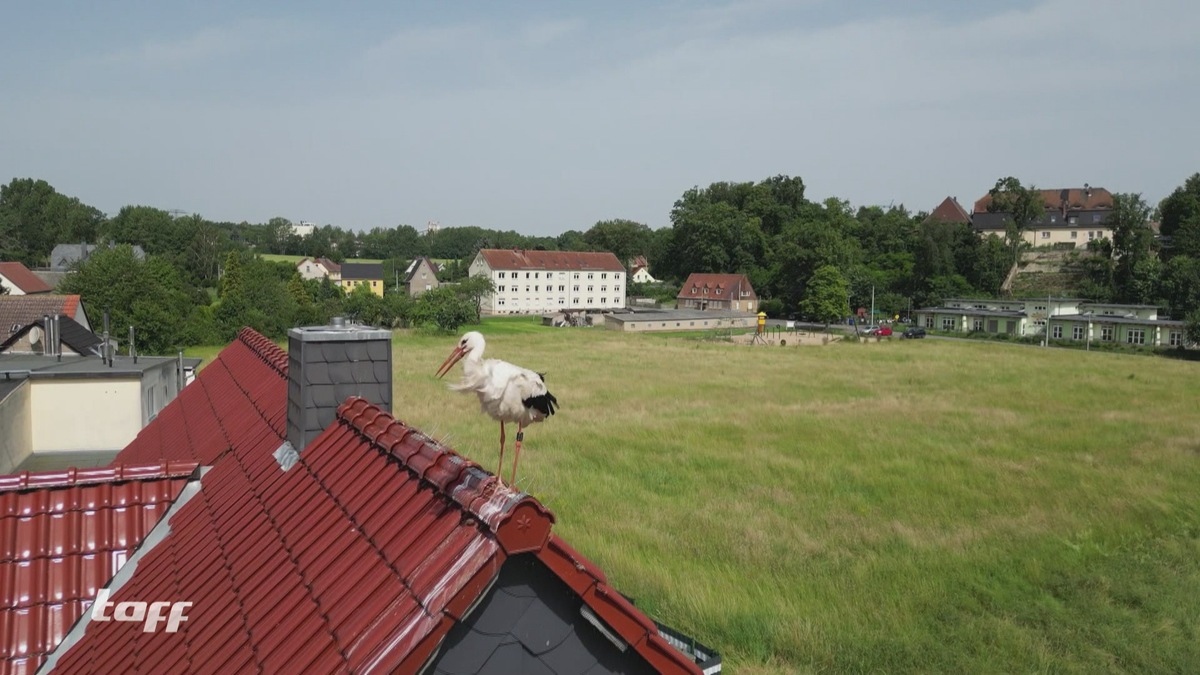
column 537, row 282
column 949, row 211
column 717, row 293
column 639, row 271
column 1072, row 217
column 366, row 546
column 319, row 268
column 18, row 311
column 16, row 279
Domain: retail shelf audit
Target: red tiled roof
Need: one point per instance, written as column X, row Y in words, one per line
column 1074, row 198
column 359, row 558
column 63, row 535
column 241, row 394
column 731, row 286
column 22, row 278
column 950, row 211
column 22, row 310
column 519, row 259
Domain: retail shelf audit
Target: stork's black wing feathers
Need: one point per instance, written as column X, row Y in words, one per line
column 544, row 403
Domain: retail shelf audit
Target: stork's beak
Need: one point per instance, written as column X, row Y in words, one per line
column 455, row 357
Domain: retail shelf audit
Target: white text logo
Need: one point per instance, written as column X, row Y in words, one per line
column 150, row 612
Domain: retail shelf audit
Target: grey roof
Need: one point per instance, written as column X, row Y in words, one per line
column 1108, row 318
column 531, row 622
column 352, row 271
column 676, row 315
column 64, row 255
column 971, row 311
column 1116, row 304
column 36, row 366
column 8, row 386
column 74, row 336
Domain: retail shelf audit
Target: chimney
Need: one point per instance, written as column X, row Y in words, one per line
column 57, row 336
column 327, row 365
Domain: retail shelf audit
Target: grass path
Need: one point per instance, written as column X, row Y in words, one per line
column 913, row 506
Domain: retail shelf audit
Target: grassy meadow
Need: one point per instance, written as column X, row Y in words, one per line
column 912, row 506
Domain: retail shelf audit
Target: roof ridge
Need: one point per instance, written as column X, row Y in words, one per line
column 518, row 521
column 267, row 350
column 107, row 474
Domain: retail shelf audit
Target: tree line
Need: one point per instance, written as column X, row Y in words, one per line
column 799, row 254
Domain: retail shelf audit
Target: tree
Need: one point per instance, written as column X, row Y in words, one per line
column 297, row 290
column 1192, row 328
column 1180, row 213
column 826, row 300
column 147, row 294
column 622, row 238
column 1023, row 207
column 34, row 217
column 475, row 289
column 443, row 309
column 231, row 280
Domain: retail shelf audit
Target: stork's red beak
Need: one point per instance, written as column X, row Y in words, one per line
column 455, row 357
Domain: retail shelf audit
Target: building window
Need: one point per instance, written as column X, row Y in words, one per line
column 947, row 323
column 535, row 288
column 1074, row 234
column 603, row 301
column 500, row 302
column 718, row 291
column 1077, row 332
column 535, row 275
column 1135, row 336
column 561, row 289
column 576, row 289
column 1072, row 220
column 500, row 275
column 590, row 275
column 1045, row 235
column 526, row 289
column 1091, row 236
column 977, row 324
column 603, row 275
column 616, row 289
column 603, row 288
column 1096, row 218
column 590, row 288
column 561, row 301
column 1053, row 218
column 527, row 275
column 589, row 301
column 374, row 284
column 1106, row 333
column 1057, row 334
column 577, row 275
column 929, row 321
column 1176, row 338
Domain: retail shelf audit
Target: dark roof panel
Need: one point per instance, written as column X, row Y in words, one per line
column 362, row 270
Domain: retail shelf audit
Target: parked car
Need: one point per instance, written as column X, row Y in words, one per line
column 883, row 331
column 914, row 333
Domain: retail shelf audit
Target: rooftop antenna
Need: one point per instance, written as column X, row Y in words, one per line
column 175, row 213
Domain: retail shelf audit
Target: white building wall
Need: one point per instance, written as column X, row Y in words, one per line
column 85, row 414
column 542, row 291
column 12, row 288
column 310, row 269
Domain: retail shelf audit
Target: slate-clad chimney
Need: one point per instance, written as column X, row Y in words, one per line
column 327, row 365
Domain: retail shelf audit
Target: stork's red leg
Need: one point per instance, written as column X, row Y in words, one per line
column 517, row 455
column 499, row 471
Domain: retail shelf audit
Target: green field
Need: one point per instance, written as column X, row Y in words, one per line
column 912, row 506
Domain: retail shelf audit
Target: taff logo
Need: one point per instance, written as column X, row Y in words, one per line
column 137, row 611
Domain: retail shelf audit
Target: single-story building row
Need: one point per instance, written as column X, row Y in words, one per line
column 678, row 319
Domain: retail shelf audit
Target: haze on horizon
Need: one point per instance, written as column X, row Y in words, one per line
column 545, row 116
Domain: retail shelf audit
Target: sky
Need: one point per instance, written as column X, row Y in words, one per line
column 544, row 116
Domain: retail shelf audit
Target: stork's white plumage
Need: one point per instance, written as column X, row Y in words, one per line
column 506, row 392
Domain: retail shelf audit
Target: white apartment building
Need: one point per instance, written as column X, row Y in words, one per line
column 536, row 282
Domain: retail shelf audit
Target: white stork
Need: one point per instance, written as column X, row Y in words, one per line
column 506, row 392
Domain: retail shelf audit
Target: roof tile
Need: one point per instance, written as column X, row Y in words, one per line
column 20, row 276
column 520, row 259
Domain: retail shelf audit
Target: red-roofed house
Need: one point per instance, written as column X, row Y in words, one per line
column 372, row 549
column 1073, row 217
column 718, row 293
column 63, row 535
column 950, row 211
column 319, row 268
column 535, row 282
column 18, row 280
